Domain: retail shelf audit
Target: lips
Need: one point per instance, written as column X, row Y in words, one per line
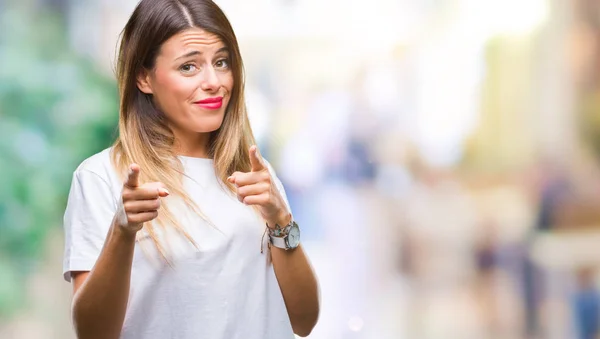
column 210, row 103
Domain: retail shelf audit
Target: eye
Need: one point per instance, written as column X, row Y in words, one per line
column 222, row 63
column 187, row 68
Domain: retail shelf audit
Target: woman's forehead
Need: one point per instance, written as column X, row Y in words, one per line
column 192, row 39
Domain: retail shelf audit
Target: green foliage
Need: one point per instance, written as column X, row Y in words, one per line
column 55, row 110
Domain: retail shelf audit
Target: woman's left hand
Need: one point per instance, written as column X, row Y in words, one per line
column 258, row 188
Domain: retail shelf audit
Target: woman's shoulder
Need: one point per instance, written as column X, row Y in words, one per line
column 99, row 164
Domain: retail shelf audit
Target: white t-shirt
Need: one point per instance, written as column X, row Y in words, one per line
column 223, row 289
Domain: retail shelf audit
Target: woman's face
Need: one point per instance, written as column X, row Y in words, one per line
column 191, row 82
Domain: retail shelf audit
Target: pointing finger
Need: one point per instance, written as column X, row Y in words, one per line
column 133, row 176
column 256, row 159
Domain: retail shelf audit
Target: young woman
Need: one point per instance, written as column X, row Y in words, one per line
column 165, row 230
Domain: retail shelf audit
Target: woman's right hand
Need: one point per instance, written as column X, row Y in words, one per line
column 139, row 203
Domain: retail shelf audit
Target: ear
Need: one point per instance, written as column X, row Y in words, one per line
column 143, row 82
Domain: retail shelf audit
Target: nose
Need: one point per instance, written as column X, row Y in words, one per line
column 210, row 80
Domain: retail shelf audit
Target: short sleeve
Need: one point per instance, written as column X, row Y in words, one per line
column 90, row 209
column 279, row 186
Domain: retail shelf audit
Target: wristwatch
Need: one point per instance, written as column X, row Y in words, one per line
column 287, row 237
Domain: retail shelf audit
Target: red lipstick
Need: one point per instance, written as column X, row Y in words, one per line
column 210, row 103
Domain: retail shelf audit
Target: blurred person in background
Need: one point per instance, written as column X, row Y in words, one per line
column 552, row 190
column 487, row 276
column 185, row 148
column 586, row 304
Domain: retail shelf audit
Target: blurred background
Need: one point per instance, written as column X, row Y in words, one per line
column 442, row 156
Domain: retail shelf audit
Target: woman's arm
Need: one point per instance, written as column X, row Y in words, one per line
column 299, row 287
column 296, row 277
column 101, row 295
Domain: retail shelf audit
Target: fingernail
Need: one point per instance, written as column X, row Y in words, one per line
column 165, row 191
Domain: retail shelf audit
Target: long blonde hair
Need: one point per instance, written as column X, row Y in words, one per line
column 144, row 135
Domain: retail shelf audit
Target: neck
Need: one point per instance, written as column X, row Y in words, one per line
column 192, row 145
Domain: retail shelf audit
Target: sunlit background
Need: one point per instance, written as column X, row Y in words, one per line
column 441, row 156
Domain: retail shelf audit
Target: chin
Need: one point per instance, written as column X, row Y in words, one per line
column 208, row 124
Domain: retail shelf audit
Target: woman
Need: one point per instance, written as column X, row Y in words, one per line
column 165, row 230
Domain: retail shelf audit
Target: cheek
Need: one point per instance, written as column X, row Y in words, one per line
column 172, row 88
column 227, row 81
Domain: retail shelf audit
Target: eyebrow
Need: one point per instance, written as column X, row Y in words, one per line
column 194, row 53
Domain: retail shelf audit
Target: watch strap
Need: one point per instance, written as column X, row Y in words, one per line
column 279, row 242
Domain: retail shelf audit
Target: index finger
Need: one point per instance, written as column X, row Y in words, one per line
column 133, row 176
column 256, row 159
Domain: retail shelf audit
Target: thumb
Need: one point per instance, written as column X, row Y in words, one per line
column 159, row 187
column 133, row 176
column 256, row 159
column 163, row 192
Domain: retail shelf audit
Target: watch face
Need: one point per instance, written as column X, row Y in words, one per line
column 294, row 236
